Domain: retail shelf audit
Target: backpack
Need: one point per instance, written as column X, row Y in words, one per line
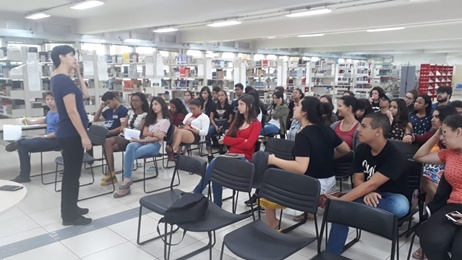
column 188, row 208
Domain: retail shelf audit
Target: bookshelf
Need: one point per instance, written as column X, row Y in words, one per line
column 433, row 76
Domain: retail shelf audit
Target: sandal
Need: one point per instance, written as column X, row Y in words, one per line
column 418, row 254
column 122, row 193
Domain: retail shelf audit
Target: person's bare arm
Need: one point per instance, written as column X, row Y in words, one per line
column 341, row 150
column 71, row 109
column 366, row 187
column 40, row 121
column 98, row 117
column 424, row 154
column 299, row 165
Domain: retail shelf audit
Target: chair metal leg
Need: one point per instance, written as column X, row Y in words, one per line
column 209, row 246
column 157, row 173
column 138, row 236
column 354, row 241
column 287, row 230
column 222, row 250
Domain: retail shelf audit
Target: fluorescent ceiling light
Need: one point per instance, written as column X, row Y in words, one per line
column 386, row 29
column 224, row 23
column 310, row 12
column 310, row 35
column 165, row 30
column 36, row 16
column 87, row 4
column 131, row 40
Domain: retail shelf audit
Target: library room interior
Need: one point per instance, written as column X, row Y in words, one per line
column 297, row 129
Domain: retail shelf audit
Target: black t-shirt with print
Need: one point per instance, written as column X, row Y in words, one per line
column 390, row 162
column 317, row 142
column 222, row 113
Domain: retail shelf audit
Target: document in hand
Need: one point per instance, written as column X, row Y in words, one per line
column 129, row 134
column 12, row 132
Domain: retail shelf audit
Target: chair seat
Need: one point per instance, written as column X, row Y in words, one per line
column 262, row 242
column 160, row 202
column 86, row 159
column 215, row 218
column 329, row 256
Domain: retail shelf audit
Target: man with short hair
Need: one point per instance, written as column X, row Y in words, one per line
column 238, row 91
column 215, row 91
column 112, row 114
column 44, row 143
column 380, row 176
column 384, row 102
column 443, row 95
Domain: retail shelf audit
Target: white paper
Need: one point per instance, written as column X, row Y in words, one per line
column 129, row 134
column 12, row 132
column 149, row 70
column 102, row 71
column 88, row 70
column 33, row 76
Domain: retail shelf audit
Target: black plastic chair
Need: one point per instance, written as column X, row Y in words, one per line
column 231, row 173
column 97, row 135
column 257, row 240
column 160, row 202
column 360, row 216
column 343, row 168
column 234, row 174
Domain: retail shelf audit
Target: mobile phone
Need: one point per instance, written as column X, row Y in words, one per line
column 451, row 216
column 11, row 187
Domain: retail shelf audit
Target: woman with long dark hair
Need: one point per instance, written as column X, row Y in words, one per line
column 205, row 96
column 134, row 120
column 188, row 95
column 260, row 109
column 221, row 118
column 241, row 137
column 177, row 111
column 364, row 108
column 155, row 128
column 420, row 116
column 277, row 116
column 330, row 116
column 346, row 128
column 398, row 116
column 297, row 95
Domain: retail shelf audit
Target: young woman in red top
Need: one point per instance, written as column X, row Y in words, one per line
column 241, row 137
column 346, row 128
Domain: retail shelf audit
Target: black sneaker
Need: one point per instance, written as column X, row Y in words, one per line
column 11, row 147
column 82, row 211
column 81, row 221
column 20, row 179
column 251, row 201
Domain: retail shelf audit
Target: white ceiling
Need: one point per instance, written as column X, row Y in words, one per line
column 432, row 26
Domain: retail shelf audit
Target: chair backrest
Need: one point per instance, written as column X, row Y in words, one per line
column 361, row 216
column 169, row 136
column 295, row 191
column 97, row 134
column 191, row 164
column 414, row 168
column 281, row 148
column 343, row 165
column 233, row 173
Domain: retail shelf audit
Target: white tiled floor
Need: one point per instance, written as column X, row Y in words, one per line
column 38, row 214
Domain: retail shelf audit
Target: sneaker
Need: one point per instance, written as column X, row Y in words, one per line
column 11, row 147
column 81, row 221
column 83, row 211
column 20, row 179
column 251, row 201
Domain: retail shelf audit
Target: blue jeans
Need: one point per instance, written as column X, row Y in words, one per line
column 213, row 131
column 34, row 145
column 269, row 129
column 136, row 150
column 395, row 203
column 216, row 188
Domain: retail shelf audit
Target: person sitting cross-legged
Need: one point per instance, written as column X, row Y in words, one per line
column 380, row 176
column 44, row 143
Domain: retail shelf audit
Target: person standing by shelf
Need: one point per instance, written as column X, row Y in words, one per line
column 44, row 143
column 112, row 115
column 71, row 131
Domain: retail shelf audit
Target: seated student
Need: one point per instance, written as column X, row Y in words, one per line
column 277, row 116
column 241, row 138
column 134, row 120
column 188, row 95
column 385, row 99
column 44, row 143
column 364, row 108
column 420, row 116
column 155, row 128
column 177, row 111
column 331, row 117
column 457, row 104
column 399, row 120
column 440, row 236
column 346, row 128
column 261, row 108
column 112, row 115
column 314, row 150
column 297, row 96
column 221, row 118
column 195, row 126
column 380, row 176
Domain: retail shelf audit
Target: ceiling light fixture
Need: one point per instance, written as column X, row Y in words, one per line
column 132, row 40
column 165, row 30
column 224, row 23
column 386, row 29
column 310, row 12
column 35, row 16
column 310, row 35
column 82, row 5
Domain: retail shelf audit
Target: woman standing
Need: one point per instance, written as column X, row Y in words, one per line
column 346, row 128
column 398, row 116
column 297, row 95
column 276, row 122
column 420, row 116
column 221, row 118
column 154, row 130
column 241, row 138
column 134, row 120
column 71, row 130
column 177, row 112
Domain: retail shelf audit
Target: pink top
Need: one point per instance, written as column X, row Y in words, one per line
column 453, row 173
column 160, row 126
column 347, row 136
